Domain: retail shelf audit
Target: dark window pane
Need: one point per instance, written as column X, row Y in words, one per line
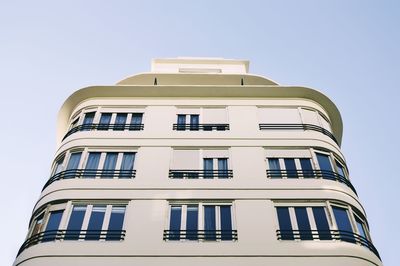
column 192, row 222
column 52, row 225
column 208, row 168
column 120, row 121
column 285, row 225
column 175, row 223
column 321, row 223
column 127, row 165
column 325, row 166
column 209, row 223
column 105, row 120
column 340, row 169
column 194, row 122
column 109, row 165
column 343, row 223
column 226, row 222
column 290, row 166
column 361, row 228
column 136, row 121
column 303, row 223
column 223, row 168
column 95, row 223
column 306, row 168
column 181, row 122
column 274, row 168
column 75, row 223
column 72, row 165
column 88, row 121
column 92, row 165
column 116, row 223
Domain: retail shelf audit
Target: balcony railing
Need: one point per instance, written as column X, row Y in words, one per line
column 298, row 127
column 203, row 127
column 196, row 174
column 104, row 127
column 323, row 174
column 206, row 235
column 53, row 235
column 90, row 174
column 327, row 235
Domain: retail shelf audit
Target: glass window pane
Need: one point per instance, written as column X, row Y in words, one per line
column 306, row 168
column 120, row 121
column 322, row 223
column 92, row 165
column 290, row 166
column 181, row 122
column 109, row 165
column 340, row 169
column 136, row 121
column 72, row 165
column 226, row 222
column 175, row 223
column 303, row 223
column 208, row 168
column 285, row 225
column 223, row 168
column 274, row 168
column 105, row 120
column 192, row 222
column 58, row 166
column 194, row 122
column 116, row 223
column 343, row 223
column 75, row 223
column 95, row 223
column 52, row 225
column 325, row 166
column 209, row 222
column 88, row 121
column 38, row 225
column 361, row 228
column 127, row 165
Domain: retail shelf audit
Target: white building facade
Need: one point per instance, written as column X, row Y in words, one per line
column 198, row 162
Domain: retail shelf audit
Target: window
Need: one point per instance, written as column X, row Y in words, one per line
column 290, row 168
column 105, row 120
column 200, row 221
column 206, row 119
column 194, row 164
column 305, row 222
column 136, row 121
column 88, row 121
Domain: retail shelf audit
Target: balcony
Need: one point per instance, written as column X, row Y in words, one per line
column 64, row 235
column 308, row 174
column 298, row 127
column 340, row 235
column 104, row 127
column 202, row 127
column 197, row 174
column 91, row 174
column 205, row 235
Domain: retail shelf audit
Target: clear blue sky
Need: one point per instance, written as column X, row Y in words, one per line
column 347, row 49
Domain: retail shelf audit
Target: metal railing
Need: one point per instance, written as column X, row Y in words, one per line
column 341, row 235
column 104, row 127
column 53, row 235
column 90, row 174
column 203, row 127
column 196, row 174
column 323, row 174
column 206, row 235
column 297, row 127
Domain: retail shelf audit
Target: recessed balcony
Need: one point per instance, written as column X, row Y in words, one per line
column 104, row 127
column 54, row 235
column 200, row 127
column 340, row 235
column 200, row 174
column 309, row 174
column 91, row 174
column 205, row 235
column 298, row 127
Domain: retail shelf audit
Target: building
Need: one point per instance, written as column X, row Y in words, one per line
column 198, row 162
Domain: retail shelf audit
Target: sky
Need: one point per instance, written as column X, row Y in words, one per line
column 347, row 49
